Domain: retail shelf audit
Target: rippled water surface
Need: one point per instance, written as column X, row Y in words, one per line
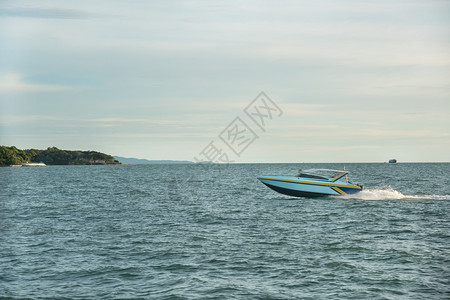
column 198, row 231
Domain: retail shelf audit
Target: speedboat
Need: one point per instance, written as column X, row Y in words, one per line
column 312, row 183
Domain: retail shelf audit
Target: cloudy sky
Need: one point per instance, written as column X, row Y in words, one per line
column 354, row 81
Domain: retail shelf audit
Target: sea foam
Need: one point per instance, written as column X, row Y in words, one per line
column 391, row 194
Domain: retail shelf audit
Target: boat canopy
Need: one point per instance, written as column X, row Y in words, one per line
column 321, row 173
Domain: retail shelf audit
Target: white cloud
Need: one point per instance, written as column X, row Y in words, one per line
column 15, row 83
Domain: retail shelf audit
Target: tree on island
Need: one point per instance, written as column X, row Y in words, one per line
column 12, row 156
column 53, row 156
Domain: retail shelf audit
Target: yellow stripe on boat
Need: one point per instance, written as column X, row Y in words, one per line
column 339, row 177
column 339, row 191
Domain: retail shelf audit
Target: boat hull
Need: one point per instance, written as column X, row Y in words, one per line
column 302, row 187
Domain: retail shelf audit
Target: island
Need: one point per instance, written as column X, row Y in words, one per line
column 142, row 161
column 11, row 156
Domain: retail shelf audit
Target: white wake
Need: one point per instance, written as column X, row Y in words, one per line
column 391, row 194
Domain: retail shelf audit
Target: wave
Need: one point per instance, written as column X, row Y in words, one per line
column 391, row 194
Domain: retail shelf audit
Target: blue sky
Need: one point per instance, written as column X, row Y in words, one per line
column 357, row 81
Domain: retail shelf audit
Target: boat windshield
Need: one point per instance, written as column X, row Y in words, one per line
column 321, row 173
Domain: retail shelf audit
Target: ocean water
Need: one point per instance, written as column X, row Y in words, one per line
column 216, row 232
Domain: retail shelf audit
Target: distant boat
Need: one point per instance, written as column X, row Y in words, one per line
column 393, row 161
column 34, row 165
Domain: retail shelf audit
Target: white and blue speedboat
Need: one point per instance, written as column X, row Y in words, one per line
column 312, row 183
